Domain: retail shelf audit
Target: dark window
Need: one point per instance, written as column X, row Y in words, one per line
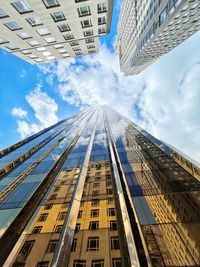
column 108, row 184
column 51, row 3
column 109, row 191
column 93, row 243
column 116, row 262
column 65, row 205
column 61, row 216
column 43, row 264
column 111, row 212
column 94, row 225
column 113, row 225
column 98, row 263
column 78, row 226
column 110, row 201
column 73, row 247
column 95, row 185
column 48, row 206
column 52, row 246
column 58, row 228
column 84, row 11
column 94, row 213
column 26, row 249
column 79, row 263
column 43, row 217
column 114, row 242
column 37, row 230
column 95, row 193
column 80, row 213
column 95, row 202
column 58, row 16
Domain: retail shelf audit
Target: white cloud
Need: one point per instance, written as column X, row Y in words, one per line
column 45, row 111
column 44, row 107
column 25, row 129
column 19, row 112
column 164, row 99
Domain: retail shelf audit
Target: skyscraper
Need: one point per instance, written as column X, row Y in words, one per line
column 150, row 29
column 45, row 30
column 96, row 190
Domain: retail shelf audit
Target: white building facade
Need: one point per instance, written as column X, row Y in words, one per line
column 149, row 29
column 44, row 30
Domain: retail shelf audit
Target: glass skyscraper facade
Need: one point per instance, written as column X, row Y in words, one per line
column 95, row 190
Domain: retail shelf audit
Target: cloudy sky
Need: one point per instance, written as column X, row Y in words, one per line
column 164, row 99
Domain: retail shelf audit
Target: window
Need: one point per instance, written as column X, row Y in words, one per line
column 58, row 46
column 58, row 228
column 94, row 213
column 73, row 247
column 61, row 216
column 108, row 184
column 64, row 27
column 3, row 14
column 34, row 21
column 77, row 228
column 12, row 25
column 22, row 6
column 88, row 41
column 86, row 23
column 51, row 3
column 93, row 244
column 37, row 230
column 32, row 56
column 43, row 217
column 78, row 54
column 90, row 46
column 84, row 11
column 79, row 263
column 94, row 225
column 98, row 263
column 111, row 212
column 24, row 35
column 114, row 242
column 97, row 173
column 65, row 55
column 53, row 196
column 52, row 246
column 102, row 30
column 113, row 225
column 26, row 249
column 43, row 264
column 42, row 32
column 101, row 7
column 68, row 36
column 92, row 51
column 95, row 193
column 58, row 16
column 26, row 52
column 95, row 202
column 50, row 40
column 80, row 213
column 65, row 205
column 101, row 20
column 33, row 43
column 109, row 191
column 110, row 201
column 116, row 262
column 48, row 206
column 82, row 203
column 96, row 185
column 3, row 41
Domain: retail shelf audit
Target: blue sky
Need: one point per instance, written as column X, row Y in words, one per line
column 164, row 99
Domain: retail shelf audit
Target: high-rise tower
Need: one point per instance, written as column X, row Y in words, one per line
column 96, row 190
column 44, row 30
column 150, row 29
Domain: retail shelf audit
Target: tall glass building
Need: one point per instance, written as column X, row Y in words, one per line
column 95, row 190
